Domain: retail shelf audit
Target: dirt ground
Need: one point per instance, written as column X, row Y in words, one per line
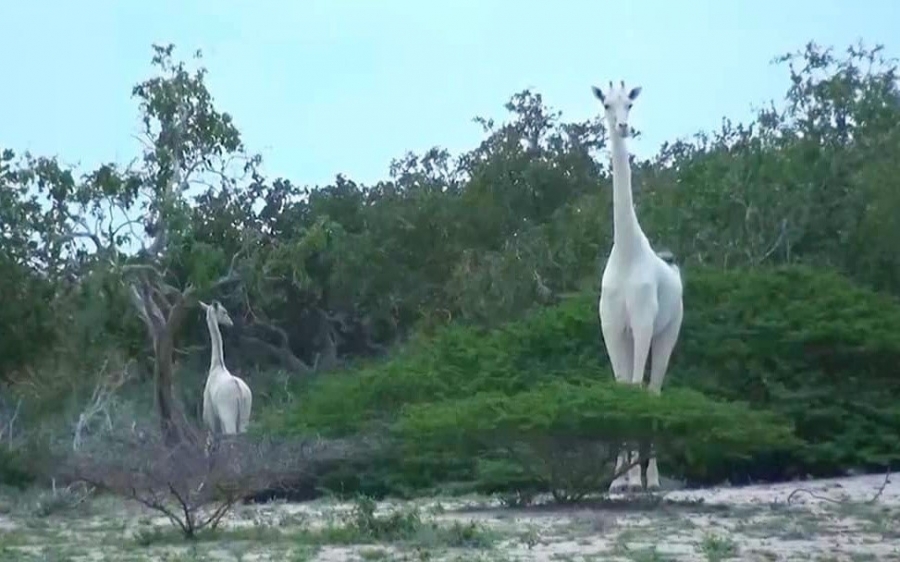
column 854, row 519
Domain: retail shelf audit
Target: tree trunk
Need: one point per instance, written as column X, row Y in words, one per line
column 165, row 396
column 164, row 399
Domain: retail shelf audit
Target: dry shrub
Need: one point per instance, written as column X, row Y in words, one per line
column 193, row 483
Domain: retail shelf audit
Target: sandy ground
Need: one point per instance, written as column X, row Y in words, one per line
column 821, row 520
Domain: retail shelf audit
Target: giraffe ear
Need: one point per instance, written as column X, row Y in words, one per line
column 634, row 93
column 597, row 93
column 203, row 305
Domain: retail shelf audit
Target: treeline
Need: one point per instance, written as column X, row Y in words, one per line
column 319, row 279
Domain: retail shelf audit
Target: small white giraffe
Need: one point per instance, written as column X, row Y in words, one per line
column 640, row 303
column 226, row 398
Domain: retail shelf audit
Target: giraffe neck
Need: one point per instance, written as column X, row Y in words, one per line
column 217, row 357
column 627, row 233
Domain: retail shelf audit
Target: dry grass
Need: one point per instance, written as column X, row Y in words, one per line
column 834, row 522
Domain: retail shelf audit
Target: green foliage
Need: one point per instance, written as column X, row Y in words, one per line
column 26, row 320
column 25, row 461
column 806, row 345
column 14, row 469
column 363, row 525
column 397, row 525
column 564, row 436
column 446, row 268
column 346, row 269
column 459, row 362
column 601, row 410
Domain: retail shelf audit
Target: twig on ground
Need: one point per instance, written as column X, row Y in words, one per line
column 887, row 480
column 873, row 499
column 813, row 495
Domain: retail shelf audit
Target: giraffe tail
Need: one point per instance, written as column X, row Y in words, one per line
column 669, row 257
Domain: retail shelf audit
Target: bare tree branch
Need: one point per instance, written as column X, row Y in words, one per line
column 194, row 486
column 782, row 232
column 108, row 382
column 10, row 425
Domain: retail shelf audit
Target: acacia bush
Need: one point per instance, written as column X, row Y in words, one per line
column 459, row 361
column 565, row 436
column 806, row 343
column 793, row 341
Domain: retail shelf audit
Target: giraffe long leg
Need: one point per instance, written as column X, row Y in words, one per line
column 619, row 348
column 661, row 352
column 643, row 307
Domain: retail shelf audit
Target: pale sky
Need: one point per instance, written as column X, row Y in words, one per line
column 322, row 87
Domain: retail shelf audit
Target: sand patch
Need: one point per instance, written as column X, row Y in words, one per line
column 828, row 520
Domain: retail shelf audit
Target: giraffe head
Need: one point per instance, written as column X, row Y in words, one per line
column 217, row 312
column 617, row 102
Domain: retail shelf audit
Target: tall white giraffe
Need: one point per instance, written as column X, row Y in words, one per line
column 640, row 303
column 226, row 398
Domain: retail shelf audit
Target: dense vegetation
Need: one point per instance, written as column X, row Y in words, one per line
column 452, row 306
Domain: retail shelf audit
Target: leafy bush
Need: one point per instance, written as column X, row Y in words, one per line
column 805, row 343
column 14, row 469
column 458, row 362
column 599, row 410
column 565, row 436
column 795, row 341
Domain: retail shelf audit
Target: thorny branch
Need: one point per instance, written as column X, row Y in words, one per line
column 192, row 485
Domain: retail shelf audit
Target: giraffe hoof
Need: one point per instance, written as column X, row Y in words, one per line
column 653, row 488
